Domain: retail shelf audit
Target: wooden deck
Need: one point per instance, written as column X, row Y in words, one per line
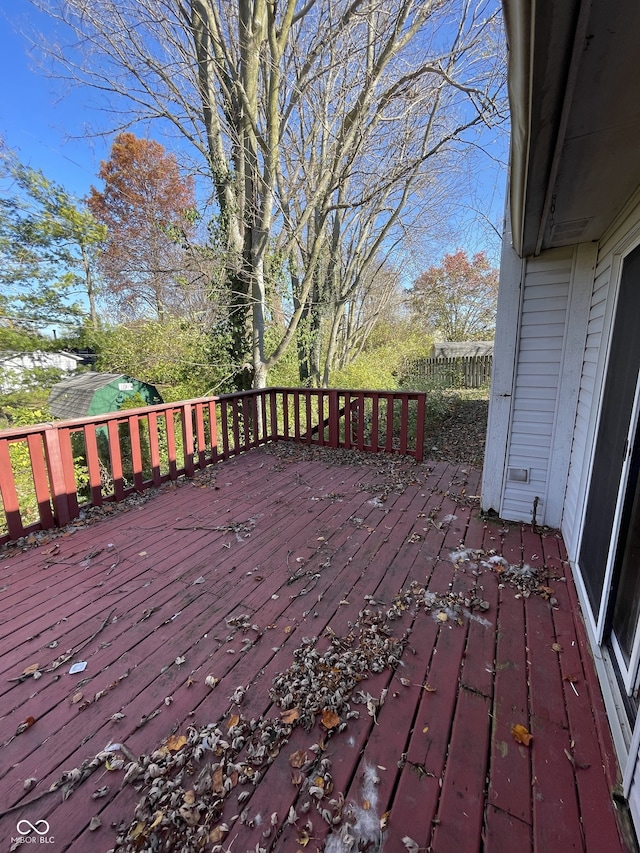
column 280, row 576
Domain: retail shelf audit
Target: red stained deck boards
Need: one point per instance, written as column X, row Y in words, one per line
column 296, row 543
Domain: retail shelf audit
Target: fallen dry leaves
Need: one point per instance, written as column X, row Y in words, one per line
column 330, row 719
column 521, row 734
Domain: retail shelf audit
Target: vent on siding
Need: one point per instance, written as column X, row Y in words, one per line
column 569, row 231
column 518, row 475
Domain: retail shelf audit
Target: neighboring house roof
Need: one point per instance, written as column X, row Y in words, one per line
column 14, row 364
column 459, row 349
column 97, row 393
column 41, row 358
column 575, row 129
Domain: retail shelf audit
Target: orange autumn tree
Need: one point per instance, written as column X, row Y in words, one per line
column 147, row 207
column 457, row 299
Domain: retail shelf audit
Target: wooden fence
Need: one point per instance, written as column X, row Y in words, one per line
column 49, row 472
column 471, row 371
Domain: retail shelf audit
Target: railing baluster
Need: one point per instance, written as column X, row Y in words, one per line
column 213, row 430
column 421, row 406
column 334, row 419
column 224, row 421
column 116, row 459
column 136, row 451
column 9, row 493
column 296, row 415
column 254, row 417
column 93, row 464
column 285, row 415
column 263, row 410
column 308, row 415
column 40, row 481
column 321, row 425
column 200, row 439
column 57, row 478
column 235, row 422
column 53, row 473
column 374, row 423
column 246, row 444
column 360, row 422
column 274, row 416
column 154, row 448
column 389, row 440
column 186, row 414
column 404, row 422
column 171, row 444
column 347, row 420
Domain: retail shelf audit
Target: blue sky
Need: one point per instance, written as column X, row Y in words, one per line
column 47, row 126
column 37, row 119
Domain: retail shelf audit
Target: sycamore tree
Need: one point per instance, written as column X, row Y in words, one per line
column 48, row 246
column 457, row 299
column 300, row 114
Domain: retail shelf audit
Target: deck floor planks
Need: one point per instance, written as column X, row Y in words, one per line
column 596, row 808
column 377, row 556
column 461, row 810
column 184, row 555
column 364, row 729
column 504, row 833
column 510, row 769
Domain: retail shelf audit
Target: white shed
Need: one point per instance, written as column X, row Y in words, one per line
column 564, row 421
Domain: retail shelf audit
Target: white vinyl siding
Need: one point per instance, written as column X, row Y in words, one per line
column 623, row 236
column 545, row 300
column 585, row 415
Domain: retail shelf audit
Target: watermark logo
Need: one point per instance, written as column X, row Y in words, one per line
column 32, row 833
column 24, row 827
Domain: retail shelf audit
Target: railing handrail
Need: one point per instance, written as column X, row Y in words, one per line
column 121, row 414
column 144, row 446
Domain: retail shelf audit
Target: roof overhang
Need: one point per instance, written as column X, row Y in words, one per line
column 574, row 91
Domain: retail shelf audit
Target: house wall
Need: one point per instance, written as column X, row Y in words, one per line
column 552, row 339
column 622, row 237
column 543, row 319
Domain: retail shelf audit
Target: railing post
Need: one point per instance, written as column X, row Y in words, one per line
column 57, row 478
column 40, row 481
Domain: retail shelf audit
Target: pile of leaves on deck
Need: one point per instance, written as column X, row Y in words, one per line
column 525, row 579
column 197, row 785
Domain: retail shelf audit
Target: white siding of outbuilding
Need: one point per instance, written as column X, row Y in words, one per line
column 543, row 323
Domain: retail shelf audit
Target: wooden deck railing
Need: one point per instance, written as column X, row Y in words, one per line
column 49, row 472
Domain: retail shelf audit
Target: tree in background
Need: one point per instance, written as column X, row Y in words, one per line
column 457, row 300
column 147, row 208
column 303, row 114
column 48, row 246
column 178, row 357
